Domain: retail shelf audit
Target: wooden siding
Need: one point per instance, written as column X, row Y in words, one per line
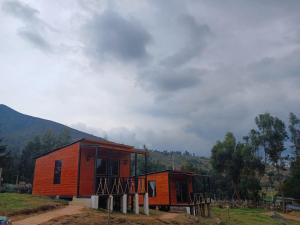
column 44, row 173
column 162, row 189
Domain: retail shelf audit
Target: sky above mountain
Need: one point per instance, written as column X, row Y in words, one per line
column 172, row 75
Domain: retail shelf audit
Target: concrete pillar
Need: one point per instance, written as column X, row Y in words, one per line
column 136, row 203
column 110, row 203
column 95, row 201
column 146, row 204
column 194, row 210
column 124, row 203
column 188, row 210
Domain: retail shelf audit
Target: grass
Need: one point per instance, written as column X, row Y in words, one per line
column 14, row 204
column 247, row 216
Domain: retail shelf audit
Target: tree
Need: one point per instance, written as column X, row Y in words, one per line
column 292, row 184
column 235, row 162
column 31, row 150
column 272, row 135
column 294, row 128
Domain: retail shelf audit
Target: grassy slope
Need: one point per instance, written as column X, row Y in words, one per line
column 247, row 216
column 12, row 203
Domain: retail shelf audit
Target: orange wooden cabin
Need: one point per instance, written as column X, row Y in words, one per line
column 79, row 168
column 176, row 188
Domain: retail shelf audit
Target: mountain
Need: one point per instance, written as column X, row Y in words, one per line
column 16, row 129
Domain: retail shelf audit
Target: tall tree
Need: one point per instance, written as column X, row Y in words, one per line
column 235, row 161
column 272, row 135
column 294, row 128
column 292, row 184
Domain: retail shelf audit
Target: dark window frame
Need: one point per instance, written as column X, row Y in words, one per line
column 57, row 172
column 152, row 194
column 108, row 168
column 182, row 190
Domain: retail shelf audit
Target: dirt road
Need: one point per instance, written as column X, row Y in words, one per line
column 44, row 217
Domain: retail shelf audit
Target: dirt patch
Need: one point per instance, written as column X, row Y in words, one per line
column 287, row 216
column 94, row 217
column 44, row 217
column 291, row 216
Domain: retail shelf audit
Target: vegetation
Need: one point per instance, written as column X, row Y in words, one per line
column 291, row 185
column 237, row 163
column 242, row 163
column 247, row 216
column 12, row 203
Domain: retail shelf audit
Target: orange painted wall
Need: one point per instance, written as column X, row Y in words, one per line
column 162, row 189
column 44, row 173
column 44, row 170
column 87, row 172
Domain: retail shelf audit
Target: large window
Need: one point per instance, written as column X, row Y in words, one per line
column 57, row 171
column 152, row 188
column 107, row 167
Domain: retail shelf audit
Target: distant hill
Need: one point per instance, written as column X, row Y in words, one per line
column 16, row 129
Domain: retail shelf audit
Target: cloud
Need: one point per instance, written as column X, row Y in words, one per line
column 169, row 74
column 34, row 29
column 165, row 79
column 35, row 39
column 21, row 11
column 196, row 39
column 113, row 36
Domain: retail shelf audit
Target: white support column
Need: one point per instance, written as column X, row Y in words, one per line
column 188, row 210
column 146, row 204
column 194, row 210
column 110, row 203
column 124, row 203
column 136, row 203
column 95, row 201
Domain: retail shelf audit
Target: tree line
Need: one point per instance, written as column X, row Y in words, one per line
column 241, row 169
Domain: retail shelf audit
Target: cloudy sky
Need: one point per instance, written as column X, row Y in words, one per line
column 172, row 75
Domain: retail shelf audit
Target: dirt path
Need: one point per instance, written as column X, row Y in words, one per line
column 44, row 217
column 168, row 216
column 290, row 217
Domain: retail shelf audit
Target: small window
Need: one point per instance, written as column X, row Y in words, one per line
column 57, row 171
column 152, row 188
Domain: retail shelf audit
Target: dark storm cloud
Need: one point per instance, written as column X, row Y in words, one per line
column 111, row 35
column 34, row 28
column 196, row 40
column 167, row 79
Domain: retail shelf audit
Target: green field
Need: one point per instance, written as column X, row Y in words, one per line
column 12, row 203
column 247, row 216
